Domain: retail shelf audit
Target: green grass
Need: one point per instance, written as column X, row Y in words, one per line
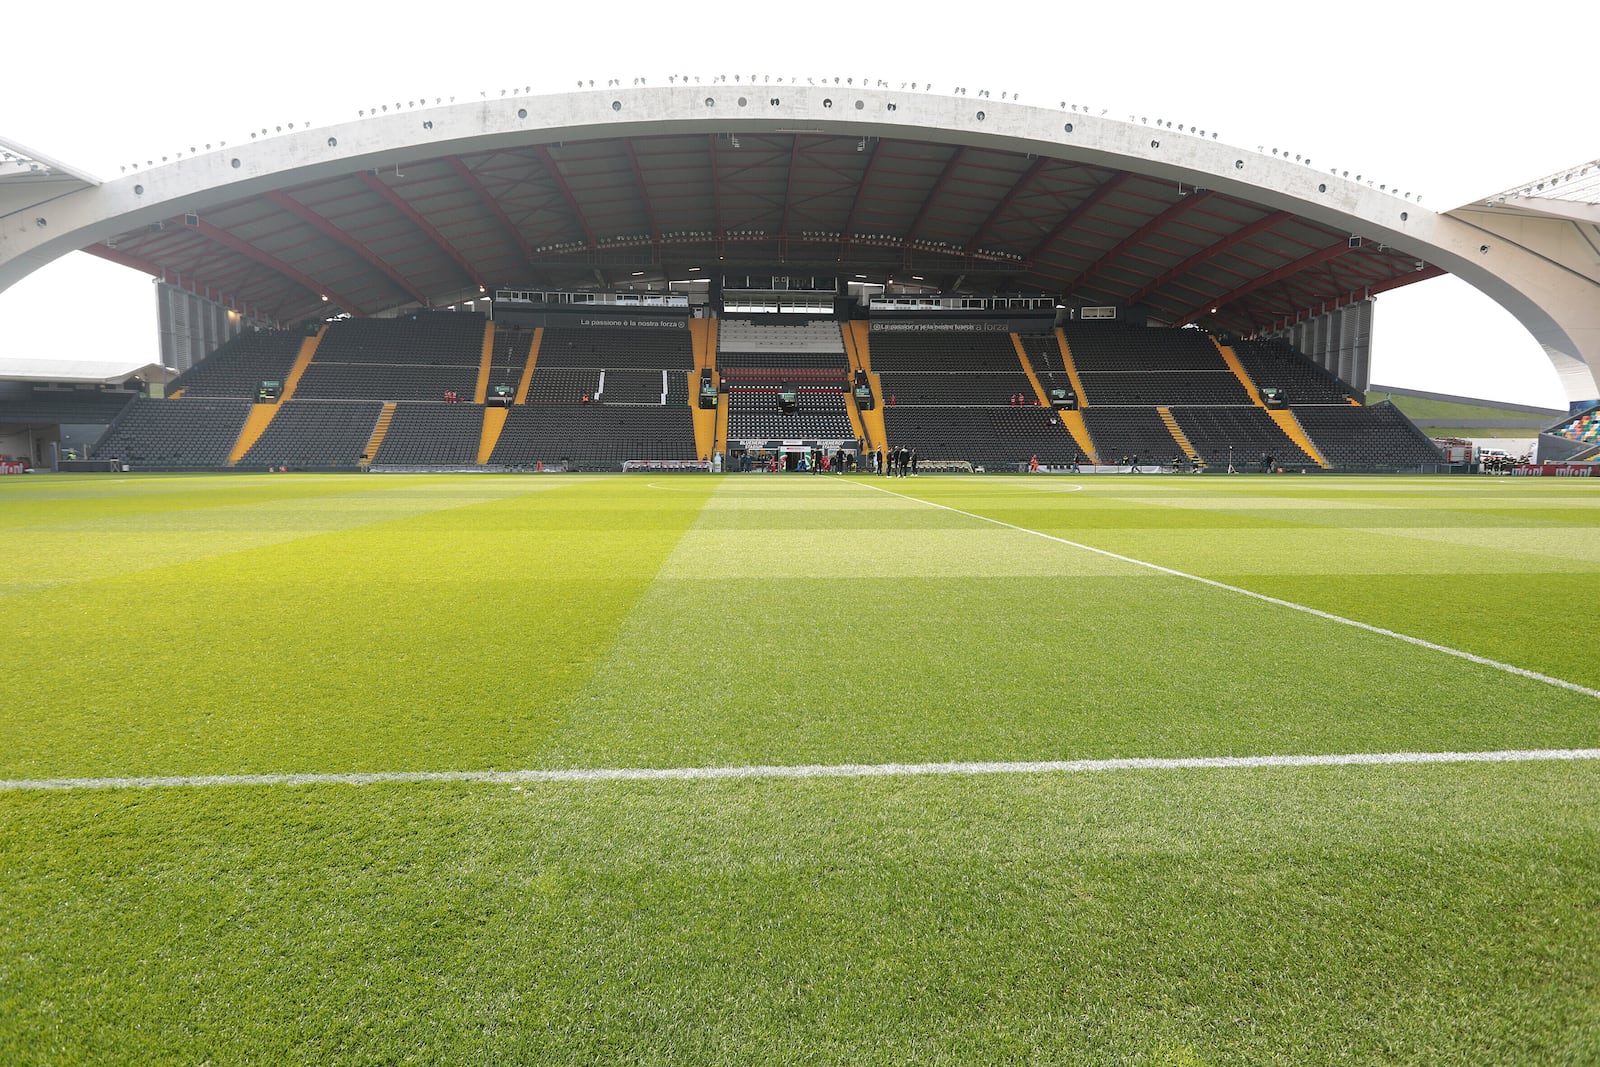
column 1421, row 407
column 1401, row 914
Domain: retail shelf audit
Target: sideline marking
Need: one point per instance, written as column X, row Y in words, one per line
column 840, row 770
column 1471, row 657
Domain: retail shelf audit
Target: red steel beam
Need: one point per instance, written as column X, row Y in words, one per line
column 1071, row 218
column 1136, row 238
column 788, row 187
column 1005, row 203
column 124, row 259
column 543, row 152
column 1239, row 236
column 716, row 191
column 1322, row 255
column 1345, row 299
column 400, row 204
column 113, row 255
column 861, row 189
column 466, row 174
column 644, row 192
column 915, row 229
column 271, row 262
column 322, row 225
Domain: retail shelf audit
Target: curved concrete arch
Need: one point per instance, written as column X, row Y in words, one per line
column 1554, row 292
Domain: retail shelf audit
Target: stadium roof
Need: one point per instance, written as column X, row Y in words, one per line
column 647, row 208
column 28, row 177
column 82, row 371
column 430, row 204
column 1572, row 194
column 435, row 202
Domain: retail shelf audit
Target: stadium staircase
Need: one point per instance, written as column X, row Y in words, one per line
column 261, row 415
column 1071, row 419
column 380, row 430
column 1074, row 420
column 1177, row 434
column 1295, row 432
column 308, row 351
column 480, row 392
column 857, row 425
column 1231, row 358
column 1035, row 389
column 874, row 435
column 710, row 427
column 494, row 423
column 527, row 370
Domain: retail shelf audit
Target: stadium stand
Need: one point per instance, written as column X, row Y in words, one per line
column 1375, row 438
column 315, row 435
column 964, row 396
column 593, row 437
column 955, row 396
column 754, row 415
column 994, row 438
column 757, row 360
column 563, row 385
column 1584, row 427
column 327, row 380
column 1239, row 434
column 426, row 338
column 1135, row 366
column 629, row 386
column 612, row 348
column 742, row 337
column 432, row 433
column 1273, row 364
column 174, row 435
column 238, row 368
column 1120, row 434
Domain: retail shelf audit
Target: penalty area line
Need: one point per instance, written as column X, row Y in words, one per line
column 841, row 770
column 1471, row 657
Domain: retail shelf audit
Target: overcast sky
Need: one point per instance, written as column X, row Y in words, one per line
column 1444, row 103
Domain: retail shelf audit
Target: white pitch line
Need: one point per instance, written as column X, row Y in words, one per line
column 840, row 770
column 1471, row 657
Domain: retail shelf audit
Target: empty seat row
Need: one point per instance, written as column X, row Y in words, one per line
column 1273, row 364
column 993, row 438
column 327, row 380
column 663, row 348
column 1377, row 438
column 432, row 433
column 745, row 336
column 1162, row 388
column 956, row 389
column 1108, row 347
column 936, row 351
column 190, row 434
column 594, row 438
column 316, row 435
column 438, row 337
column 238, row 367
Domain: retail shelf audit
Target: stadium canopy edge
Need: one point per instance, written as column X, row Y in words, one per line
column 420, row 206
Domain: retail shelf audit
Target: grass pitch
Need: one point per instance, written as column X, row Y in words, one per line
column 228, row 625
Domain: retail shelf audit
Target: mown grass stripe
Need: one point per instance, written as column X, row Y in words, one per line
column 841, row 770
column 1342, row 620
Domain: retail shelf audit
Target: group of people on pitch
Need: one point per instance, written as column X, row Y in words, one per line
column 896, row 462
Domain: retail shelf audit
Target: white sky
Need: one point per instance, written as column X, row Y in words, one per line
column 1450, row 104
